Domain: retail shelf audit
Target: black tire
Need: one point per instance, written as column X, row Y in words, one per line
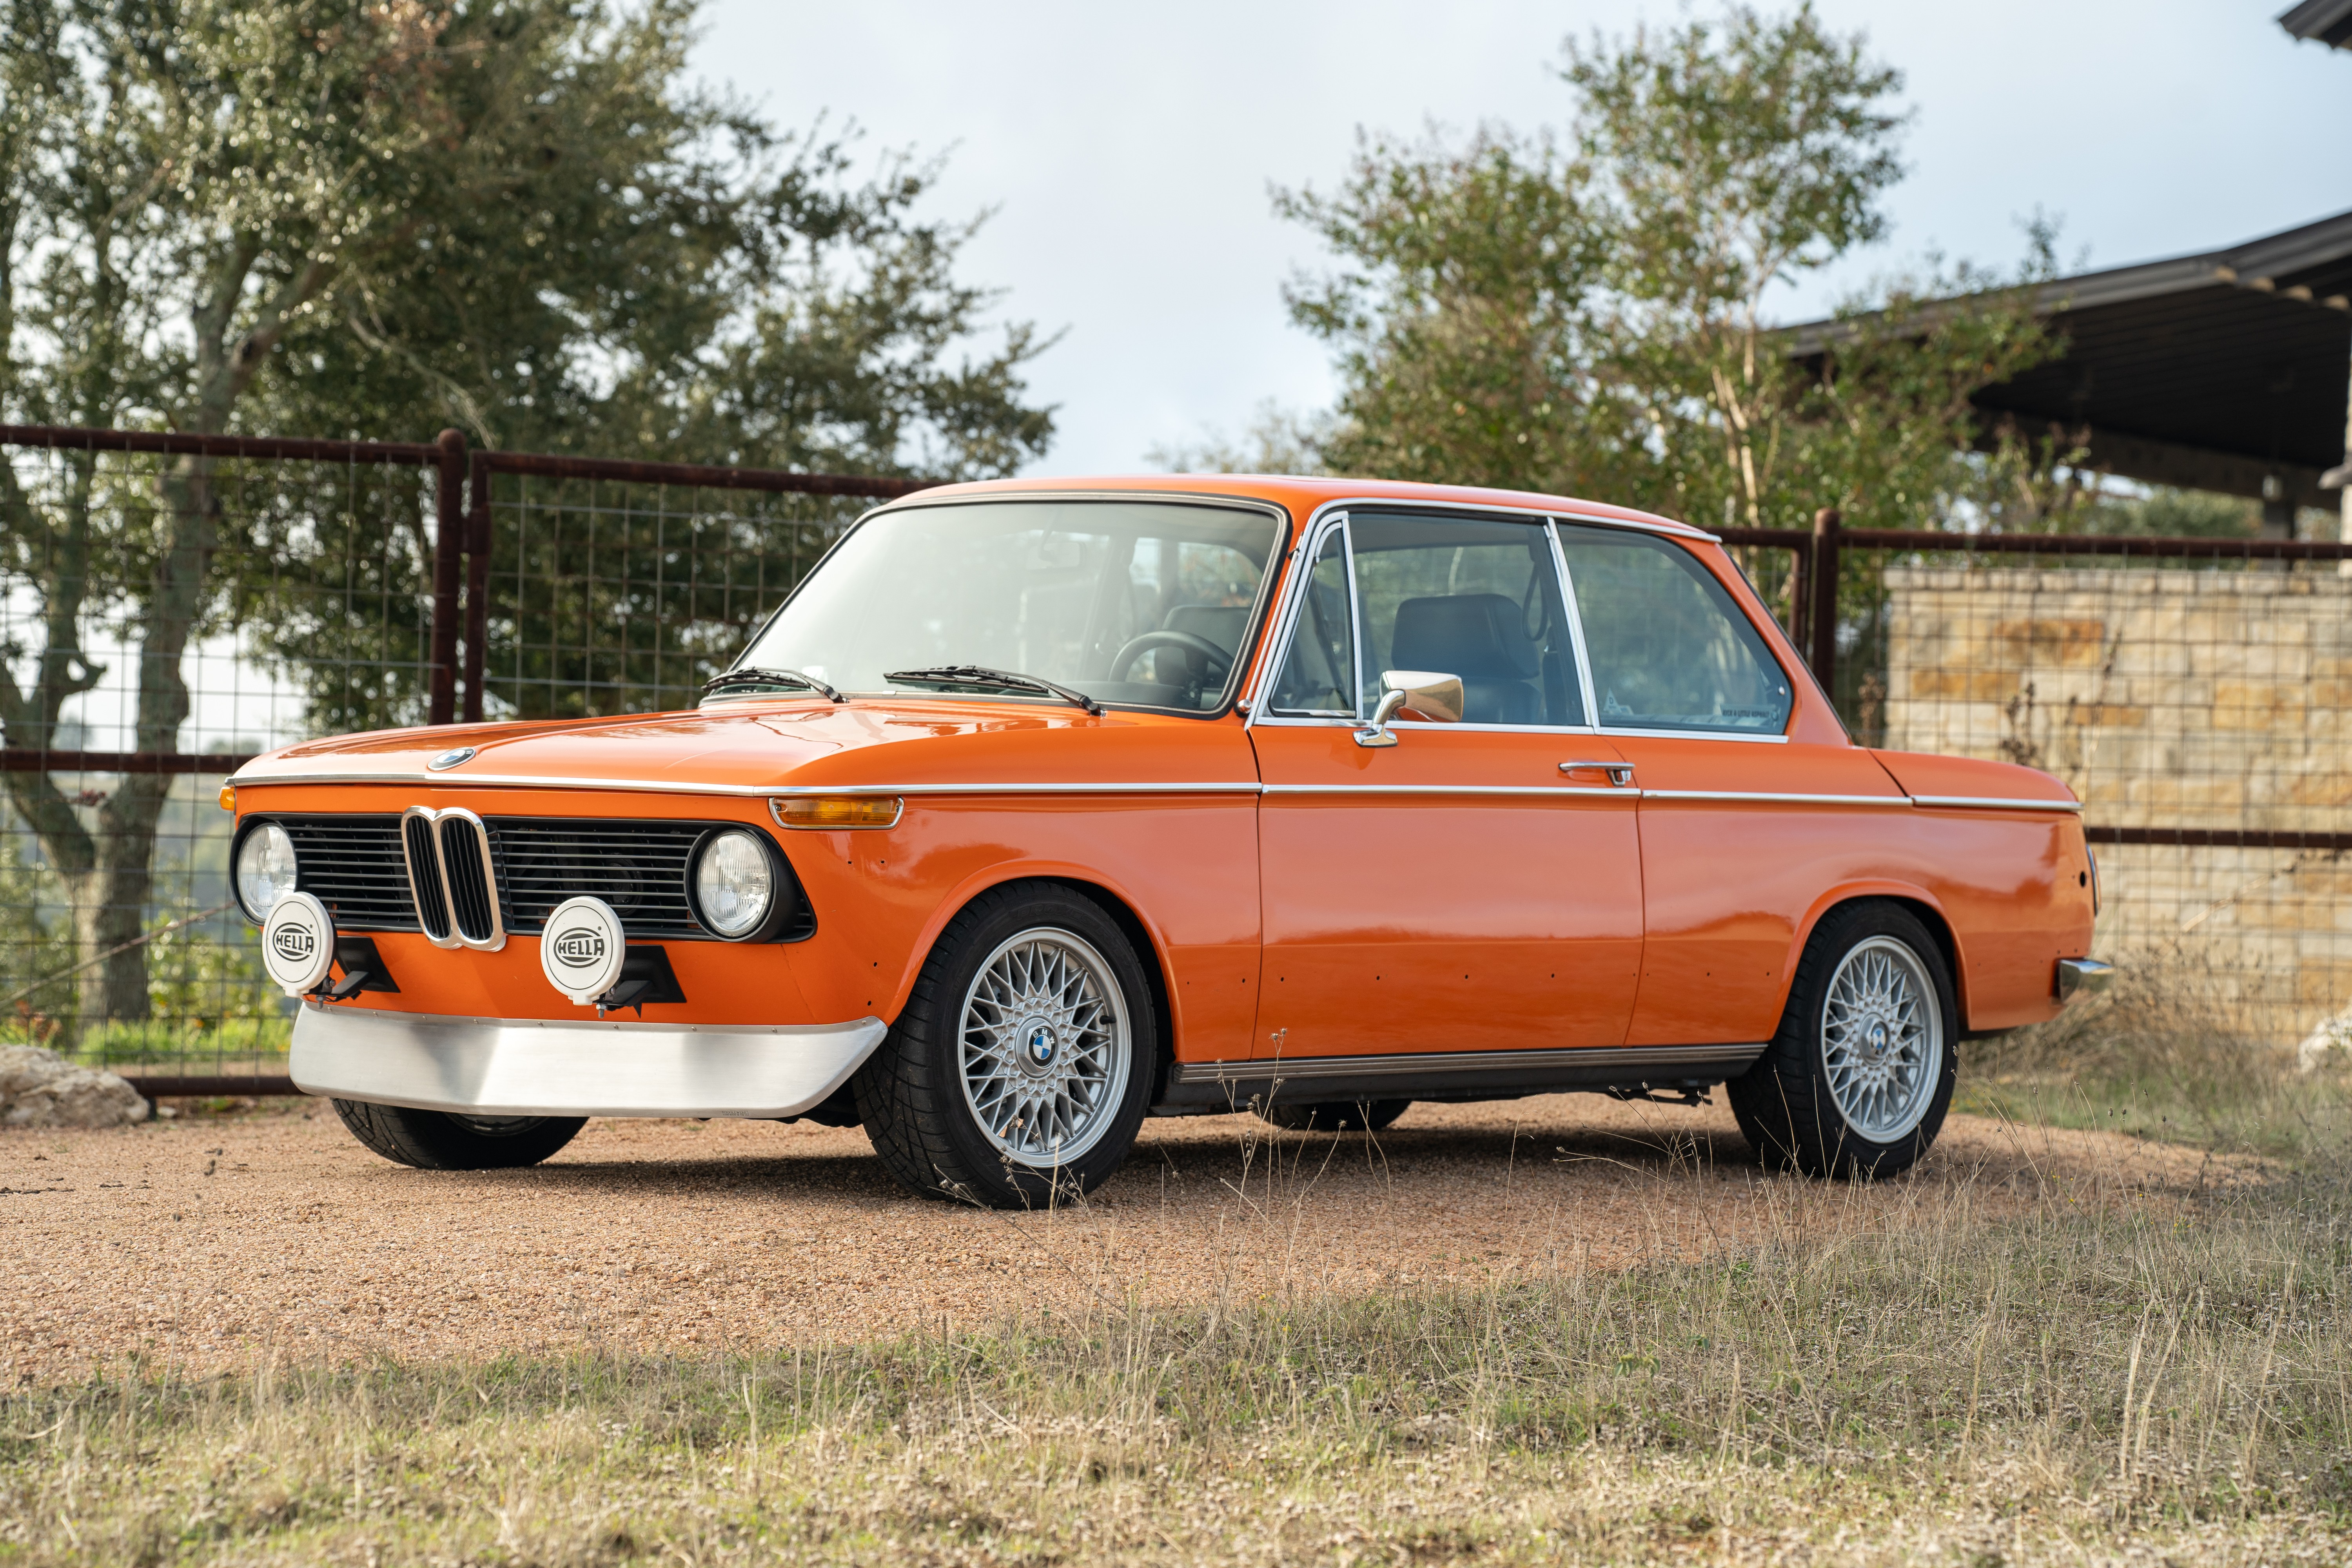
column 1335, row 1115
column 1786, row 1104
column 436, row 1140
column 911, row 1092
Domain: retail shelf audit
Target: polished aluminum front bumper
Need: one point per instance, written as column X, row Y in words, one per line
column 527, row 1066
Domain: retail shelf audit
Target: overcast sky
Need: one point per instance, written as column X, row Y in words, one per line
column 1128, row 152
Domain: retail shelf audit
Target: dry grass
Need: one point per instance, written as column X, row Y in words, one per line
column 2163, row 1054
column 2102, row 1374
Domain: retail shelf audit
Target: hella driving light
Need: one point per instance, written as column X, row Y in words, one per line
column 734, row 884
column 265, row 870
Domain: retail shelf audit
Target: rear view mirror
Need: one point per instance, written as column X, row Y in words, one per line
column 1424, row 696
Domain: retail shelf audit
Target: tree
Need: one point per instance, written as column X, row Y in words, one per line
column 308, row 216
column 1587, row 313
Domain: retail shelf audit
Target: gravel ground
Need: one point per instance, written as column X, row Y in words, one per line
column 209, row 1241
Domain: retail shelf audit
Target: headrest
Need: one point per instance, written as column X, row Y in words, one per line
column 1474, row 635
column 1220, row 623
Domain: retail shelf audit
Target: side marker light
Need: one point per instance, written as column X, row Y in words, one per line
column 837, row 810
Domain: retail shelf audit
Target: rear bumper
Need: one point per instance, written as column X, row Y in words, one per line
column 523, row 1066
column 2083, row 975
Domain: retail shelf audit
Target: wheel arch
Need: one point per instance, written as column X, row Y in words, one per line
column 1117, row 906
column 1916, row 900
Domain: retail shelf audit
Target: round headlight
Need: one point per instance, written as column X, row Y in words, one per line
column 734, row 884
column 265, row 870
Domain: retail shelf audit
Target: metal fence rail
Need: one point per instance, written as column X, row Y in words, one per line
column 171, row 605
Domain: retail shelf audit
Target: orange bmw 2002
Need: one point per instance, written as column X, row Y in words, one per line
column 1039, row 808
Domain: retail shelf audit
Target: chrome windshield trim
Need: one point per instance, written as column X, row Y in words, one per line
column 1262, row 606
column 1995, row 803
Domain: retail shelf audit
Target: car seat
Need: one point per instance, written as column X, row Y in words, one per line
column 1482, row 638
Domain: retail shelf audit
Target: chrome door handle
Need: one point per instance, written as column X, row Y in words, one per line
column 1619, row 775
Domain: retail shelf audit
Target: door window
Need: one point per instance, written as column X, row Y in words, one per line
column 1469, row 597
column 1670, row 650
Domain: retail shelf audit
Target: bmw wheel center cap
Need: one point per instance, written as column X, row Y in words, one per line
column 582, row 949
column 298, row 944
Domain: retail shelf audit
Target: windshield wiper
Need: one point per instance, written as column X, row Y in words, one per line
column 756, row 676
column 1001, row 679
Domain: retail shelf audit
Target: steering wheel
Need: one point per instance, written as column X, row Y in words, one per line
column 1217, row 660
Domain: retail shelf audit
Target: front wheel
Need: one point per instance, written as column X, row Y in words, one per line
column 1860, row 1074
column 1022, row 1065
column 440, row 1141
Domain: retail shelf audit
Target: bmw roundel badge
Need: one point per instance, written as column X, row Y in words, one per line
column 449, row 760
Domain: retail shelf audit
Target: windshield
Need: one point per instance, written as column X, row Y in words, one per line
column 1141, row 602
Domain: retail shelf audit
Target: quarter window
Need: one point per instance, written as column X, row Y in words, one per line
column 1320, row 669
column 1670, row 650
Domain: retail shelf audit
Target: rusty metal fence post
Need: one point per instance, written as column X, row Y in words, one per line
column 448, row 546
column 1824, row 612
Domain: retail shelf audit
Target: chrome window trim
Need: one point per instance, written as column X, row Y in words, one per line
column 1303, row 721
column 1591, row 699
column 1606, row 731
column 1295, row 591
column 457, row 938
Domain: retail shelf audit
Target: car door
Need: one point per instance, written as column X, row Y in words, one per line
column 1476, row 885
column 1752, row 806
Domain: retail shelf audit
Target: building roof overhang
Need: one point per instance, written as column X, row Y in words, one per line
column 2216, row 370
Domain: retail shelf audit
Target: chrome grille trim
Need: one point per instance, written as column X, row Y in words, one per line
column 422, row 854
column 459, row 889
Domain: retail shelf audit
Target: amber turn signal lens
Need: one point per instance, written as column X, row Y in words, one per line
column 837, row 810
column 228, row 797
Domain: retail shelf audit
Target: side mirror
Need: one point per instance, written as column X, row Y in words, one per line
column 1420, row 694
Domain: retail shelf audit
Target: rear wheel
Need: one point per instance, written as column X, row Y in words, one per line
column 1336, row 1115
column 1023, row 1062
column 1859, row 1075
column 441, row 1140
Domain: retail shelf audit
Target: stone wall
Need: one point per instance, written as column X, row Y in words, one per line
column 2205, row 699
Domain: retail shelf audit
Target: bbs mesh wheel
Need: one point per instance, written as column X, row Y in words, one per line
column 1860, row 1074
column 1021, row 1067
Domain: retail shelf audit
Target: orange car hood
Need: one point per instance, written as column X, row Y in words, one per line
column 1967, row 778
column 781, row 743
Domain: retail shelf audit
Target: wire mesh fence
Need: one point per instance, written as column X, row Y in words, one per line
column 169, row 606
column 164, row 613
column 604, row 596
